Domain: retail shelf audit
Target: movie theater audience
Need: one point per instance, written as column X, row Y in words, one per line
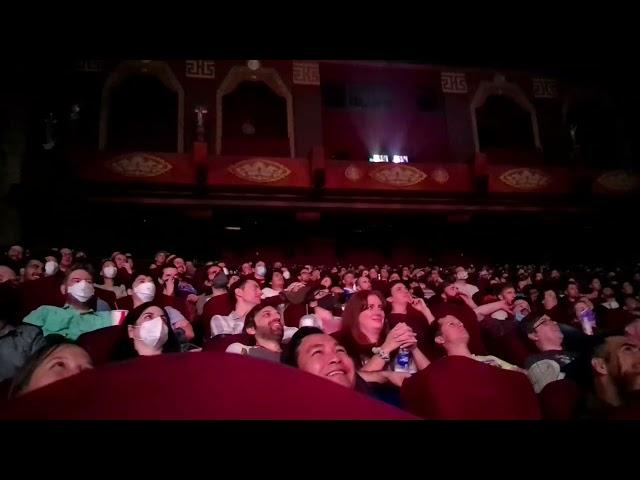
column 354, row 336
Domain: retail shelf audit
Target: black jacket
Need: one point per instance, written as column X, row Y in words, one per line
column 16, row 345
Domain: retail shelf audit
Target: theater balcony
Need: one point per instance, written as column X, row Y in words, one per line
column 297, row 136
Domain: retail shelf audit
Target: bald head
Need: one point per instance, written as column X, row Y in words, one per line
column 6, row 274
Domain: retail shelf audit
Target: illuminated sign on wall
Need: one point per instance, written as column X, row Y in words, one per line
column 377, row 158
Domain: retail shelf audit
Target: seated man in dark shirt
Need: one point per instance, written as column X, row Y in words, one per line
column 552, row 362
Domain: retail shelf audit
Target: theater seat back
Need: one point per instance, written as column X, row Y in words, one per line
column 102, row 344
column 460, row 388
column 614, row 320
column 560, row 400
column 192, row 386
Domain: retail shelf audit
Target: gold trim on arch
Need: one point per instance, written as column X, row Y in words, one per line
column 269, row 76
column 158, row 69
column 511, row 90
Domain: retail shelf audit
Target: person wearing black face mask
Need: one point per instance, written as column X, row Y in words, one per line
column 322, row 304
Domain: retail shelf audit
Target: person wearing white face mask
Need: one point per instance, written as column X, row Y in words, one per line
column 259, row 273
column 461, row 282
column 143, row 291
column 109, row 272
column 51, row 267
column 149, row 332
column 76, row 316
column 52, row 264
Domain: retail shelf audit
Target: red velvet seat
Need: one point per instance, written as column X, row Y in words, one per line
column 293, row 313
column 123, row 277
column 180, row 304
column 124, row 303
column 508, row 344
column 107, row 296
column 631, row 412
column 614, row 320
column 102, row 344
column 460, row 388
column 219, row 305
column 43, row 291
column 560, row 400
column 192, row 386
column 516, row 349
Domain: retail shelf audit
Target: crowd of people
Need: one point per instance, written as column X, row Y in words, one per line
column 367, row 327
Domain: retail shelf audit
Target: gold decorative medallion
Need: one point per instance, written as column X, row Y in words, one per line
column 525, row 178
column 398, row 175
column 139, row 165
column 618, row 180
column 440, row 175
column 353, row 173
column 260, row 170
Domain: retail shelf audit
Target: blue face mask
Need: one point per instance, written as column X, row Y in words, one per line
column 261, row 271
column 520, row 314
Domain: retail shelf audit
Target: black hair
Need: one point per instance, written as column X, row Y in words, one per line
column 449, row 279
column 268, row 278
column 505, row 286
column 570, row 282
column 128, row 351
column 290, row 353
column 298, row 271
column 393, row 283
column 53, row 253
column 434, row 330
column 22, row 379
column 310, row 296
column 78, row 266
column 238, row 284
column 528, row 323
column 168, row 265
column 250, row 317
